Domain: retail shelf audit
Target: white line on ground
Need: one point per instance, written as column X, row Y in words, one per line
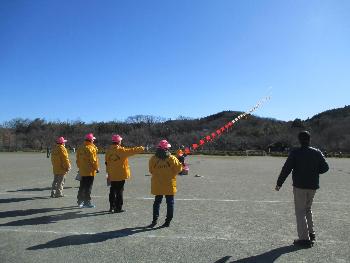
column 192, row 199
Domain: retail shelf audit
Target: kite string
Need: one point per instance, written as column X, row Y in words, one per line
column 225, row 127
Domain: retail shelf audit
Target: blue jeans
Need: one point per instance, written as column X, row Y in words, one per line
column 169, row 205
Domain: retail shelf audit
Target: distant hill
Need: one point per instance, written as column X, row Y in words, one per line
column 332, row 129
column 330, row 132
column 339, row 113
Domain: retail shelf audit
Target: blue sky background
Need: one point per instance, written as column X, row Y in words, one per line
column 106, row 60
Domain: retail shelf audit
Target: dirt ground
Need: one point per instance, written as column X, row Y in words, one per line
column 226, row 210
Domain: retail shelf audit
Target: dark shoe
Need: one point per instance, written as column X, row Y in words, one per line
column 119, row 210
column 58, row 196
column 153, row 224
column 166, row 224
column 303, row 243
column 312, row 237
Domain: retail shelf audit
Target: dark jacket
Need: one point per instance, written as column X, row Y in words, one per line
column 307, row 164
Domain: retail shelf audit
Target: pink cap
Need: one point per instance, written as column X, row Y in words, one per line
column 61, row 140
column 90, row 137
column 116, row 138
column 163, row 144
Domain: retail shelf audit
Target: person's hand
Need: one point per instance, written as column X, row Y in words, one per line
column 277, row 188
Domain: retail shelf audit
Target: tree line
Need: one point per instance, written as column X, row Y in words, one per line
column 330, row 132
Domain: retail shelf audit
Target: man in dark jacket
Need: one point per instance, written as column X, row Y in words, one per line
column 307, row 164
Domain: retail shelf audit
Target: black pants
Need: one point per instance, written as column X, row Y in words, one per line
column 84, row 193
column 116, row 194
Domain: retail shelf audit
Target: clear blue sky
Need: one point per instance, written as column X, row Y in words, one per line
column 106, row 60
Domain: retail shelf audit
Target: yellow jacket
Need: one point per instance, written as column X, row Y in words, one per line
column 117, row 163
column 87, row 159
column 59, row 159
column 164, row 172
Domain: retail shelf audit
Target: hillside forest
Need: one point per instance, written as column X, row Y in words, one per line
column 330, row 131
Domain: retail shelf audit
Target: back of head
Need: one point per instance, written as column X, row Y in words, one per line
column 304, row 138
column 116, row 139
column 162, row 151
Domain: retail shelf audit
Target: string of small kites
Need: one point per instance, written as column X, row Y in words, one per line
column 221, row 130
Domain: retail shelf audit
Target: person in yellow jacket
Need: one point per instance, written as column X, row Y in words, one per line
column 118, row 170
column 87, row 162
column 163, row 167
column 61, row 166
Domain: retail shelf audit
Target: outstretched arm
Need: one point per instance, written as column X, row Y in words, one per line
column 125, row 151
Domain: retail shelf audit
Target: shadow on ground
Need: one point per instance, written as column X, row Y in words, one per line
column 36, row 189
column 43, row 220
column 267, row 257
column 76, row 240
column 27, row 212
column 13, row 200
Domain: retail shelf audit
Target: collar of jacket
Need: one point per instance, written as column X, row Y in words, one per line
column 88, row 143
